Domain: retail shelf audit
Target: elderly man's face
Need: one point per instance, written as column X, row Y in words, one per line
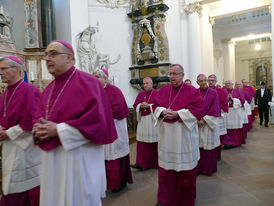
column 57, row 59
column 175, row 76
column 211, row 82
column 245, row 82
column 238, row 85
column 147, row 83
column 102, row 80
column 202, row 82
column 8, row 74
column 229, row 85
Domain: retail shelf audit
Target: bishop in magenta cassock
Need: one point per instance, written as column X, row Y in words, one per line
column 117, row 153
column 74, row 121
column 178, row 107
column 251, row 93
column 234, row 118
column 21, row 160
column 246, row 109
column 212, row 81
column 208, row 128
column 147, row 134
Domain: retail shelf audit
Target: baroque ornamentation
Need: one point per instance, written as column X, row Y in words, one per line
column 90, row 59
column 193, row 8
column 5, row 26
column 113, row 3
column 150, row 50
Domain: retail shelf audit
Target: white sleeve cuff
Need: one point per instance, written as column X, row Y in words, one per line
column 211, row 121
column 70, row 137
column 138, row 116
column 188, row 118
column 157, row 114
column 236, row 103
column 20, row 137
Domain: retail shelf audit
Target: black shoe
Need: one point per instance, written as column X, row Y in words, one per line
column 261, row 123
column 136, row 166
column 122, row 186
column 158, row 204
column 266, row 125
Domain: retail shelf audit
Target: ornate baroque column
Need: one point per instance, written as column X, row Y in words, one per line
column 32, row 33
column 272, row 29
column 195, row 52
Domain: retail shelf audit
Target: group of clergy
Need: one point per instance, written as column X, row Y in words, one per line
column 70, row 144
column 182, row 130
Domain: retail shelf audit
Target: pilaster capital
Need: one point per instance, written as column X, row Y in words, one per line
column 193, row 8
column 212, row 20
column 229, row 41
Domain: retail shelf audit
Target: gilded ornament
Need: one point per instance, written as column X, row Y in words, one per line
column 162, row 51
column 157, row 11
column 162, row 58
column 143, row 11
column 158, row 26
column 158, row 33
column 161, row 45
column 146, row 38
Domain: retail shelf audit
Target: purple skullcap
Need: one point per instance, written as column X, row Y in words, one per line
column 200, row 75
column 213, row 76
column 105, row 71
column 148, row 78
column 15, row 59
column 66, row 44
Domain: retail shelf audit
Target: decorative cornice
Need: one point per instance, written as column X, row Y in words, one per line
column 229, row 41
column 113, row 3
column 193, row 8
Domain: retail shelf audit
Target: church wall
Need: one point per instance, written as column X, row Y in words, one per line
column 114, row 38
column 246, row 53
column 224, row 30
column 16, row 11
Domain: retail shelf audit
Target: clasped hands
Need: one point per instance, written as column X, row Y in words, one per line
column 3, row 134
column 44, row 130
column 201, row 122
column 145, row 105
column 170, row 114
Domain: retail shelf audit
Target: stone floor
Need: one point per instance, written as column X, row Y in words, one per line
column 245, row 177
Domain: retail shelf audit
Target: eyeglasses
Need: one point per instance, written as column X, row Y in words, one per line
column 5, row 68
column 174, row 74
column 52, row 54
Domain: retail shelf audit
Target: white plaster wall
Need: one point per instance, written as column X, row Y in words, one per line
column 174, row 27
column 224, row 30
column 207, row 43
column 114, row 37
column 16, row 11
column 245, row 52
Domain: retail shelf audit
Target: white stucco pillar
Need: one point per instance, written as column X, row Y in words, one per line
column 207, row 42
column 194, row 39
column 229, row 61
column 272, row 29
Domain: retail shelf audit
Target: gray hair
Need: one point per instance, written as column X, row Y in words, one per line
column 180, row 67
column 12, row 63
column 102, row 74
